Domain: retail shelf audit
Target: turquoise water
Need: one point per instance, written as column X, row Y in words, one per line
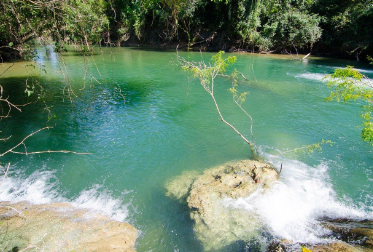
column 144, row 121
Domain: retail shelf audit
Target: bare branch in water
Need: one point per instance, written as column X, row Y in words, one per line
column 12, row 150
column 51, row 151
column 206, row 75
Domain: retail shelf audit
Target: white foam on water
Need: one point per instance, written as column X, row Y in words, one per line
column 312, row 76
column 293, row 207
column 323, row 77
column 43, row 187
column 360, row 70
column 364, row 70
column 38, row 188
column 99, row 199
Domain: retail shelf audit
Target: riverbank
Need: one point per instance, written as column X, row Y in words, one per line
column 209, row 46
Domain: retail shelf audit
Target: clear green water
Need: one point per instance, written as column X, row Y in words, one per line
column 167, row 124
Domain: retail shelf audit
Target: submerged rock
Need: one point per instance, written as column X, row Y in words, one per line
column 214, row 224
column 61, row 227
column 179, row 187
column 337, row 246
column 351, row 231
column 347, row 236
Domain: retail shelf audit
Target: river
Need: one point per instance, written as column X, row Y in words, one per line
column 145, row 121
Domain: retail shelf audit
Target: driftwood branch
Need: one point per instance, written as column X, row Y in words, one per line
column 5, row 139
column 7, row 67
column 10, row 105
column 50, row 151
column 12, row 150
column 306, row 56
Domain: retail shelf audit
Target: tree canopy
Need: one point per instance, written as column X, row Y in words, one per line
column 81, row 22
column 330, row 26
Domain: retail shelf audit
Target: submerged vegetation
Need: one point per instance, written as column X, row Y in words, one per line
column 283, row 26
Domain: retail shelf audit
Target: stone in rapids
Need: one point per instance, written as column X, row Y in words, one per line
column 214, row 224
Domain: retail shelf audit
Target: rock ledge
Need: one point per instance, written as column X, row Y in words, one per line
column 61, row 227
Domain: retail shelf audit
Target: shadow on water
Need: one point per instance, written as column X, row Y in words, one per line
column 18, row 124
column 48, row 106
column 150, row 49
column 80, row 54
column 172, row 227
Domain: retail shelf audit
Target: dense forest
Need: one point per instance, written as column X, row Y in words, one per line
column 340, row 28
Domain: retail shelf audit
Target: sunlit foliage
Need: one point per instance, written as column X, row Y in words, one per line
column 350, row 85
column 80, row 22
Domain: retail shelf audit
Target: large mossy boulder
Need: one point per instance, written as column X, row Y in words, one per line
column 61, row 227
column 215, row 224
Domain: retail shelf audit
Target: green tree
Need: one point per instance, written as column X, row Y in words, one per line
column 293, row 29
column 65, row 21
column 347, row 26
column 278, row 24
column 84, row 22
column 206, row 73
column 250, row 25
column 350, row 85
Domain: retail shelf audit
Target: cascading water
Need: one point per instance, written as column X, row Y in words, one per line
column 293, row 209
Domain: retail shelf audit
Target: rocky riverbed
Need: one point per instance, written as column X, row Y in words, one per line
column 61, row 227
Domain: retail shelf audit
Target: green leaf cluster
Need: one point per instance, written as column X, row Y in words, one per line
column 346, row 26
column 350, row 85
column 82, row 22
column 318, row 146
column 279, row 24
column 207, row 73
column 307, row 149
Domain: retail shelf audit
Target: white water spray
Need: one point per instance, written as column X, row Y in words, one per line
column 293, row 207
column 42, row 187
